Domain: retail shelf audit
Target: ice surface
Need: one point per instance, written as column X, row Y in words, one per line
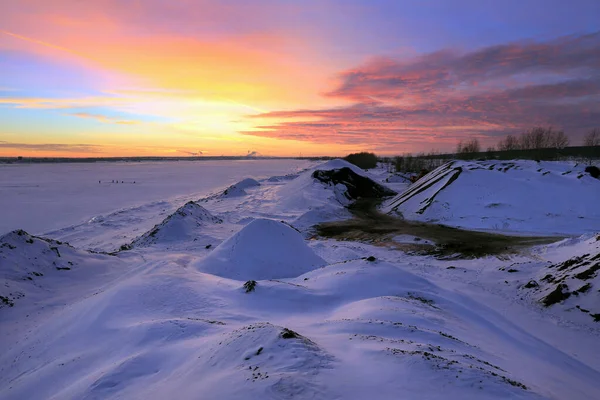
column 43, row 197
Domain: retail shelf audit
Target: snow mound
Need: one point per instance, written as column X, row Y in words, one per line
column 571, row 278
column 30, row 265
column 239, row 189
column 263, row 249
column 326, row 190
column 263, row 350
column 179, row 226
column 513, row 196
column 24, row 254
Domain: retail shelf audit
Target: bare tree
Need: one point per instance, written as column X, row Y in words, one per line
column 592, row 138
column 470, row 146
column 543, row 138
column 559, row 140
column 510, row 142
column 536, row 138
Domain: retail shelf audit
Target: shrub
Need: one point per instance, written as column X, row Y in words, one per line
column 362, row 160
column 250, row 286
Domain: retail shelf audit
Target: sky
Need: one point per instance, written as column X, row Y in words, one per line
column 105, row 78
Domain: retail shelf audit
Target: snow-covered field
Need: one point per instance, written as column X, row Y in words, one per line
column 232, row 296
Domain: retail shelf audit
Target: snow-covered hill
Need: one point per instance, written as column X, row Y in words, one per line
column 530, row 197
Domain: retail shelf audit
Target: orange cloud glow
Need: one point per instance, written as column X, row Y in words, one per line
column 204, row 85
column 276, row 77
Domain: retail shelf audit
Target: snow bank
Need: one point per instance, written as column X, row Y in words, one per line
column 263, row 249
column 182, row 225
column 514, row 196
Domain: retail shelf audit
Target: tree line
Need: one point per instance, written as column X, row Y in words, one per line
column 533, row 139
column 536, row 143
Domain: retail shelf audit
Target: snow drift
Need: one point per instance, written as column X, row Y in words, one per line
column 514, row 196
column 182, row 225
column 263, row 249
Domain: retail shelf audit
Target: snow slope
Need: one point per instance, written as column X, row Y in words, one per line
column 513, row 196
column 326, row 319
column 339, row 331
column 569, row 278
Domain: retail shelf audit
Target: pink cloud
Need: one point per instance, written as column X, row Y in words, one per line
column 445, row 96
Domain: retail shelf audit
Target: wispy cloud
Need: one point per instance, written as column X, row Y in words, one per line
column 64, row 103
column 45, row 44
column 53, row 147
column 105, row 119
column 441, row 97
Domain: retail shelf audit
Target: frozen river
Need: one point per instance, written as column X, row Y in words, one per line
column 42, row 197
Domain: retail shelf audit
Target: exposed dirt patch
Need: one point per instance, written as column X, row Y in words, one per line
column 370, row 226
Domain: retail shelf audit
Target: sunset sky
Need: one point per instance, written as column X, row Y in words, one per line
column 289, row 77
